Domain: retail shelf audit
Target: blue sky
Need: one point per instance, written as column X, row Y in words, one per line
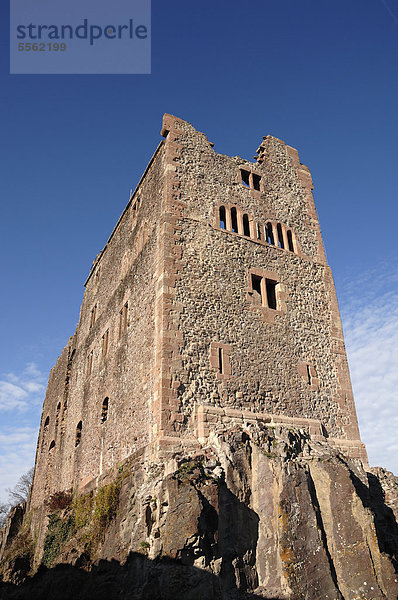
column 321, row 75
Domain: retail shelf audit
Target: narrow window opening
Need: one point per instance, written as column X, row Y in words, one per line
column 220, row 361
column 52, row 445
column 97, row 273
column 259, row 237
column 93, row 315
column 123, row 318
column 90, row 363
column 290, row 240
column 234, row 220
column 271, row 293
column 57, row 414
column 223, row 222
column 105, row 341
column 256, row 181
column 280, row 236
column 104, row 411
column 309, row 378
column 256, row 287
column 245, row 177
column 246, row 226
column 78, row 434
column 46, row 422
column 270, row 234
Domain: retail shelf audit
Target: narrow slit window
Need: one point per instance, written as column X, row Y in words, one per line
column 105, row 342
column 104, row 411
column 123, row 318
column 46, row 422
column 309, row 377
column 245, row 177
column 93, row 315
column 57, row 414
column 234, row 220
column 256, row 182
column 90, row 363
column 270, row 234
column 220, row 361
column 290, row 240
column 256, row 290
column 52, row 445
column 223, row 222
column 78, row 436
column 246, row 225
column 271, row 293
column 259, row 236
column 281, row 243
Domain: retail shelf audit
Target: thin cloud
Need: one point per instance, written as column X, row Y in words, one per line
column 17, row 392
column 17, row 455
column 369, row 308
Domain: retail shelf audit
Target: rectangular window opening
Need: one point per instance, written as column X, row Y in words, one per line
column 271, row 293
column 245, row 177
column 256, row 182
column 256, row 290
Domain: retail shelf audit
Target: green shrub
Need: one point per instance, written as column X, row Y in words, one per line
column 58, row 532
column 82, row 508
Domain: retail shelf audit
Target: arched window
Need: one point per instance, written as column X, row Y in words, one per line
column 104, row 411
column 46, row 422
column 281, row 243
column 52, row 445
column 270, row 234
column 223, row 222
column 246, row 226
column 234, row 220
column 78, row 434
column 290, row 240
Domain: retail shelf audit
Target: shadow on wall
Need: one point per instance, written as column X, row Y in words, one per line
column 137, row 579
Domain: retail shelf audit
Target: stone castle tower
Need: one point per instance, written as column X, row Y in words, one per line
column 211, row 303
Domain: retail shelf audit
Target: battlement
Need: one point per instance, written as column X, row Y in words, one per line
column 210, row 304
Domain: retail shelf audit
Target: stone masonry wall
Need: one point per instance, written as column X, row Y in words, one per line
column 270, row 349
column 123, row 273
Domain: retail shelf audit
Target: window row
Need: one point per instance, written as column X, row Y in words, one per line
column 275, row 234
column 79, row 426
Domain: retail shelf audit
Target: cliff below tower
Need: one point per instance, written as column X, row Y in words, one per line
column 259, row 512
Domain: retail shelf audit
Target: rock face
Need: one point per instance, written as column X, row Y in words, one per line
column 260, row 512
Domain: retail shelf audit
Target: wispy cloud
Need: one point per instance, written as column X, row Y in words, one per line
column 19, row 391
column 17, row 455
column 21, row 397
column 369, row 307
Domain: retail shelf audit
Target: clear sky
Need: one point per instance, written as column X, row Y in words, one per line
column 319, row 74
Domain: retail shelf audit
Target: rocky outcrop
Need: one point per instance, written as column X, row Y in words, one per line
column 259, row 512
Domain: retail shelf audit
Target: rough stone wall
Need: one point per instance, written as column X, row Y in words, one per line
column 212, row 298
column 187, row 288
column 122, row 273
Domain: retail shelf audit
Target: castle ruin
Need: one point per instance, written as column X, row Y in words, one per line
column 211, row 304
